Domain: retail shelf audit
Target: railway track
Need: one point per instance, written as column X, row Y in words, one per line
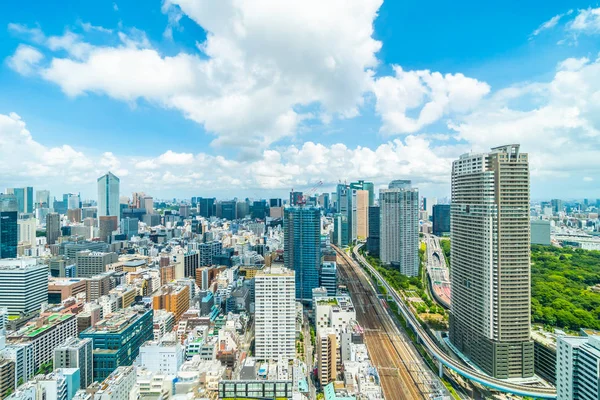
column 388, row 349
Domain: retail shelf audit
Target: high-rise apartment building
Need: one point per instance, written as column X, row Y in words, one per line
column 76, row 353
column 108, row 196
column 275, row 314
column 23, row 285
column 302, row 247
column 52, row 228
column 399, row 227
column 326, row 355
column 9, row 236
column 490, row 263
column 7, row 377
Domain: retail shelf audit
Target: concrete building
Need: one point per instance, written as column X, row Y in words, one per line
column 91, row 263
column 7, row 377
column 578, row 368
column 334, row 312
column 108, row 196
column 399, row 227
column 129, row 227
column 27, row 229
column 52, row 228
column 490, row 263
column 302, row 247
column 540, row 232
column 328, row 277
column 275, row 314
column 164, row 356
column 76, row 353
column 172, row 298
column 61, row 289
column 44, row 335
column 117, row 386
column 23, row 285
column 327, row 345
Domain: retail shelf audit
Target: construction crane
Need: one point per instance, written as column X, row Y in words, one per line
column 301, row 200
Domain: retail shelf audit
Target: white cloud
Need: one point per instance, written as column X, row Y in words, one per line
column 88, row 27
column 34, row 34
column 551, row 23
column 561, row 130
column 586, row 21
column 25, row 60
column 262, row 62
column 279, row 169
column 115, row 7
column 588, row 179
column 432, row 94
column 71, row 43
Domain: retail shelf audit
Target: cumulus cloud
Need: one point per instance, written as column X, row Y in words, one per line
column 432, row 94
column 561, row 131
column 260, row 63
column 586, row 21
column 25, row 59
column 274, row 169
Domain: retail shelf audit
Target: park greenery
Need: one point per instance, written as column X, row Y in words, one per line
column 561, row 281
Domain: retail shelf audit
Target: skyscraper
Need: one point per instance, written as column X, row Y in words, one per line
column 399, row 227
column 362, row 214
column 346, row 206
column 42, row 198
column 374, row 231
column 368, row 186
column 108, row 196
column 52, row 228
column 8, row 226
column 24, row 198
column 441, row 219
column 275, row 316
column 490, row 263
column 302, row 247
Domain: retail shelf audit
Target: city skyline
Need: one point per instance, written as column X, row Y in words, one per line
column 366, row 102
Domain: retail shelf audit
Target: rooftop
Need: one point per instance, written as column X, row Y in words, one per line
column 31, row 330
column 117, row 321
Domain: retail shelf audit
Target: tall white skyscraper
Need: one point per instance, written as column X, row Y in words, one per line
column 399, row 226
column 108, row 196
column 490, row 263
column 275, row 314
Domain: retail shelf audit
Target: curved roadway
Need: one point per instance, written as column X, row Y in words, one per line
column 475, row 376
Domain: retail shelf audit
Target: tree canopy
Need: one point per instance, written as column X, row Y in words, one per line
column 560, row 287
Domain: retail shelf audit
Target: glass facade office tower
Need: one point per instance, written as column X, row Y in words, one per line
column 368, row 186
column 8, row 226
column 490, row 263
column 399, row 227
column 441, row 219
column 302, row 247
column 24, row 198
column 108, row 196
column 374, row 231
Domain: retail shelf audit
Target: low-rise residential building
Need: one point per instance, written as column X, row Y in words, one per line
column 165, row 355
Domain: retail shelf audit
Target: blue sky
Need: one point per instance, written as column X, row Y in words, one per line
column 187, row 97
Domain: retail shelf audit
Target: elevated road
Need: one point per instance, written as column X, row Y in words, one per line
column 437, row 270
column 443, row 358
